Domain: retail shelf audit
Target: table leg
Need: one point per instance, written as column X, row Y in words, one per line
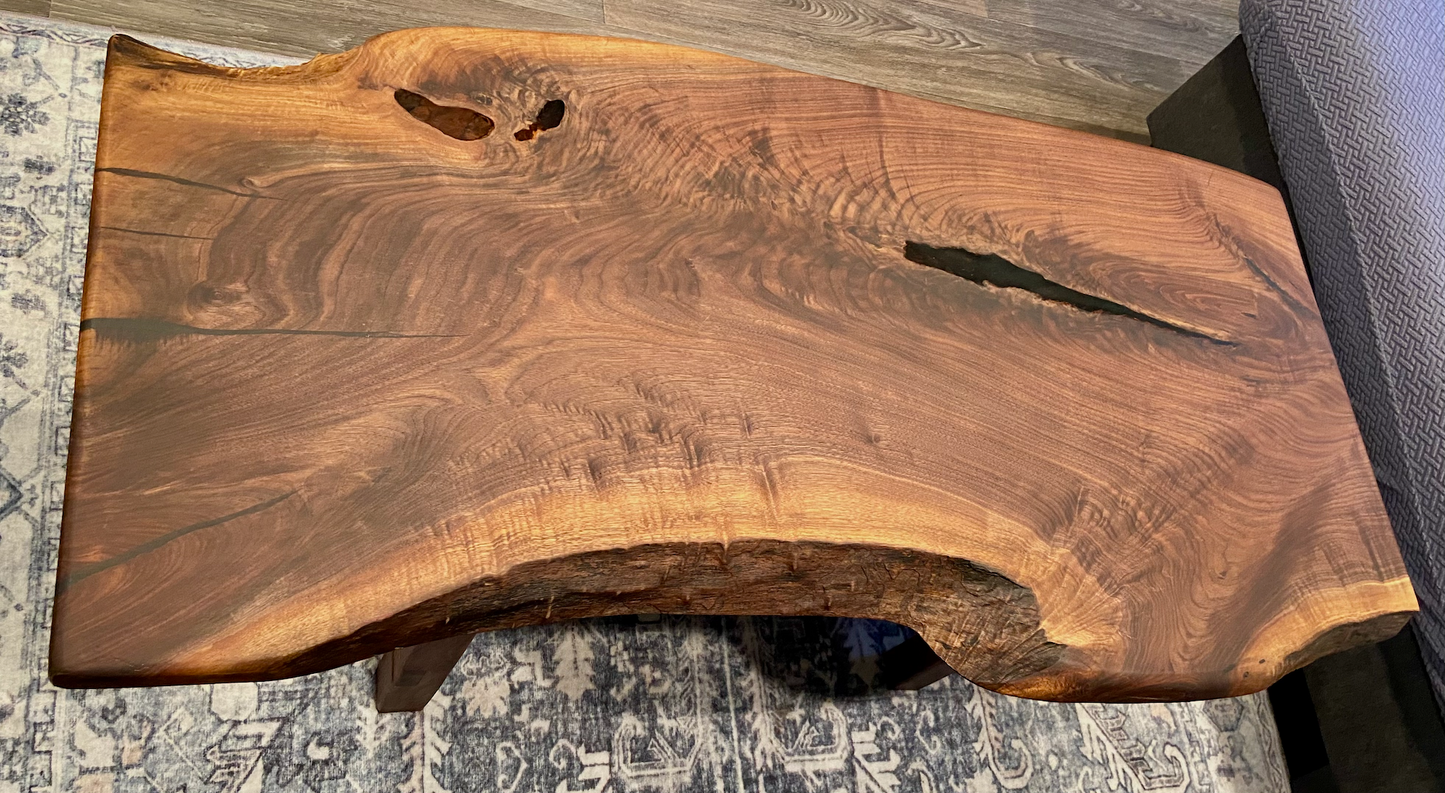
column 912, row 665
column 407, row 677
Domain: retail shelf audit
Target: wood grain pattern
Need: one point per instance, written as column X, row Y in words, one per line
column 590, row 10
column 929, row 48
column 306, row 28
column 1191, row 31
column 1092, row 64
column 723, row 339
column 34, row 7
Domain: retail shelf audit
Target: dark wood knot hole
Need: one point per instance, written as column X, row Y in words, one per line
column 548, row 117
column 454, row 122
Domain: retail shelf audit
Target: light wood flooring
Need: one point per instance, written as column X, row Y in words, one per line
column 1096, row 65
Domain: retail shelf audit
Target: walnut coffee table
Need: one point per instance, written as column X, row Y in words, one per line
column 471, row 329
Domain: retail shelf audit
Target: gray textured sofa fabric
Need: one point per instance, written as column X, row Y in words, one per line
column 1354, row 91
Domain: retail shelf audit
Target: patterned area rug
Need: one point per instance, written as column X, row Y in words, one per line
column 747, row 705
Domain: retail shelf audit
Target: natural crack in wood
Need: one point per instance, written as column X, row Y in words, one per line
column 665, row 355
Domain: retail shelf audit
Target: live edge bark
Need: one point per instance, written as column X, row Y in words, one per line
column 471, row 329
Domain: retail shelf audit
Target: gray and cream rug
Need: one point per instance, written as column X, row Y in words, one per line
column 754, row 705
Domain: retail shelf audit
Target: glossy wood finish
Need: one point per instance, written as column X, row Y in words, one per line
column 714, row 338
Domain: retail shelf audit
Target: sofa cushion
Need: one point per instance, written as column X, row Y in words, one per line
column 1354, row 91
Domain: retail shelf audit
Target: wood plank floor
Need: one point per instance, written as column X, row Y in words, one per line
column 1096, row 65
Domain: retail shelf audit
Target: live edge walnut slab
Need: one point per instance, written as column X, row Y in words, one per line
column 469, row 329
